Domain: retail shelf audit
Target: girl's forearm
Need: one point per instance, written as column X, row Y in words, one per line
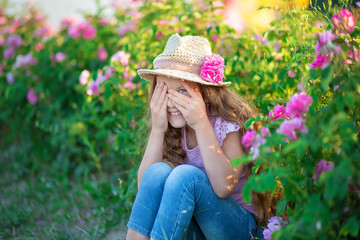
column 222, row 176
column 153, row 152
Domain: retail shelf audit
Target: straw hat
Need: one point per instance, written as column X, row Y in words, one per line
column 189, row 58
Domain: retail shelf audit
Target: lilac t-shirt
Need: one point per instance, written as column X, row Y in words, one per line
column 193, row 157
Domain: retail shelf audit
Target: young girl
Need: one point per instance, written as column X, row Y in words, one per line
column 187, row 187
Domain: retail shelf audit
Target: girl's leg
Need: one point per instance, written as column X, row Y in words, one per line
column 147, row 200
column 188, row 193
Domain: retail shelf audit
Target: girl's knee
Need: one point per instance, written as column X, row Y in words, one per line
column 156, row 175
column 185, row 174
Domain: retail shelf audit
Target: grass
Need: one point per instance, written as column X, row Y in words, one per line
column 38, row 202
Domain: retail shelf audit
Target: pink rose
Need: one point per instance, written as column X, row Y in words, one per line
column 159, row 36
column 213, row 68
column 46, row 31
column 291, row 73
column 14, row 41
column 84, row 77
column 320, row 61
column 89, row 31
column 274, row 223
column 68, row 21
column 130, row 25
column 74, row 31
column 31, row 96
column 348, row 20
column 59, row 57
column 298, row 104
column 23, row 61
column 248, row 138
column 10, row 78
column 214, row 37
column 325, row 43
column 102, row 54
column 344, row 21
column 264, row 132
column 121, row 57
column 85, row 29
column 278, row 112
column 321, row 167
column 93, row 88
column 290, row 127
column 9, row 52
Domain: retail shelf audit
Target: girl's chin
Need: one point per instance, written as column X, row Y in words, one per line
column 177, row 123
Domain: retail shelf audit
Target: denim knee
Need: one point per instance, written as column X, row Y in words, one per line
column 183, row 176
column 155, row 176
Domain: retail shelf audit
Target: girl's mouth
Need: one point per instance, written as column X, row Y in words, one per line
column 175, row 114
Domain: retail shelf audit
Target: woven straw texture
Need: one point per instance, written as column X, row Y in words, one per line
column 182, row 58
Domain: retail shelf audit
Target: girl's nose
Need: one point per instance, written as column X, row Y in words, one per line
column 170, row 104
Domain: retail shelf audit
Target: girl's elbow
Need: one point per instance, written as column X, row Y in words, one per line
column 223, row 193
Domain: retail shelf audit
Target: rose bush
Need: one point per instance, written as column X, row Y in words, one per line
column 71, row 102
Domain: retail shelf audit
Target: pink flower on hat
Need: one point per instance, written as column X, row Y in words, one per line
column 213, row 68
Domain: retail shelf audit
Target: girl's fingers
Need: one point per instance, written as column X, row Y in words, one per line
column 164, row 104
column 179, row 98
column 188, row 88
column 162, row 97
column 157, row 93
column 178, row 106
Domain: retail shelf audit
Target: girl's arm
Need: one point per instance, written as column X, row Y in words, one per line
column 223, row 177
column 154, row 148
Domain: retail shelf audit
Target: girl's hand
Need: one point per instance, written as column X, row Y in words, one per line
column 192, row 108
column 158, row 108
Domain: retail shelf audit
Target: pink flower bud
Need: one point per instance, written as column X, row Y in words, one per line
column 320, row 61
column 278, row 112
column 291, row 73
column 248, row 138
column 14, row 41
column 291, row 126
column 10, row 78
column 59, row 57
column 298, row 104
column 84, row 77
column 32, row 97
column 159, row 36
column 321, row 167
column 102, row 54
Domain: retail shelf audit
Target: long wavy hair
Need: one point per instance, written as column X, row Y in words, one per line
column 224, row 103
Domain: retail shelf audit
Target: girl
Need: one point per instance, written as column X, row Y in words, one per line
column 187, row 187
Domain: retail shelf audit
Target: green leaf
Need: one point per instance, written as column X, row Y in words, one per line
column 299, row 146
column 249, row 122
column 351, row 227
column 336, row 185
column 313, row 73
column 280, row 206
column 239, row 160
column 107, row 91
column 326, row 77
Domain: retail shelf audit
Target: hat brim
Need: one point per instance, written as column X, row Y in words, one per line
column 149, row 75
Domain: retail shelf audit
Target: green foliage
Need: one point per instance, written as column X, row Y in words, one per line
column 72, row 147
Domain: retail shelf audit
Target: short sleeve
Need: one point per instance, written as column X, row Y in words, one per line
column 222, row 128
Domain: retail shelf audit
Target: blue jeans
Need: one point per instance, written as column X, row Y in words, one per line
column 180, row 203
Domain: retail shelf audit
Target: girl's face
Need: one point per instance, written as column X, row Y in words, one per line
column 175, row 117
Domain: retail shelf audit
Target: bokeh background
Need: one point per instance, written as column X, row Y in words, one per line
column 74, row 120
